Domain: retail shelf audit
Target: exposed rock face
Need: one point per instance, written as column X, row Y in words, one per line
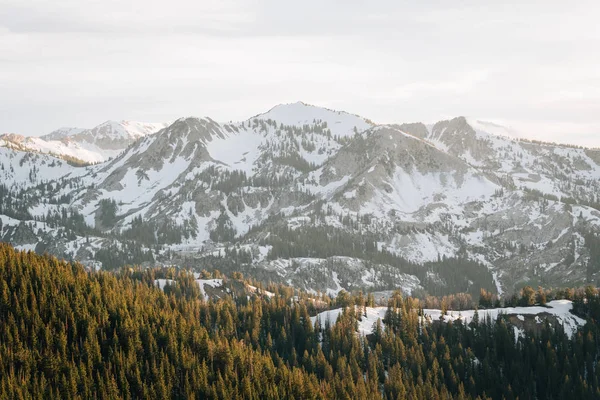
column 392, row 202
column 19, row 235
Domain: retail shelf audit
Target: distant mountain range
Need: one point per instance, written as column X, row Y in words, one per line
column 94, row 145
column 320, row 199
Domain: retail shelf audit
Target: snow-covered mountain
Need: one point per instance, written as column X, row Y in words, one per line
column 98, row 144
column 62, row 133
column 299, row 114
column 321, row 199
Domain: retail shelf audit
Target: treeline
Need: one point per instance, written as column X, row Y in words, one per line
column 445, row 276
column 592, row 243
column 118, row 254
column 12, row 203
column 545, row 143
column 457, row 275
column 69, row 334
column 160, row 232
column 227, row 181
column 58, row 214
column 593, row 201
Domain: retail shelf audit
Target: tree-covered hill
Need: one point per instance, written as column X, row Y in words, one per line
column 66, row 333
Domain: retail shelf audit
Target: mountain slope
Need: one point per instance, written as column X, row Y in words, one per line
column 328, row 200
column 21, row 170
column 94, row 145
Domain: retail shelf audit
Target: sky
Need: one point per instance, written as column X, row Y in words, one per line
column 531, row 65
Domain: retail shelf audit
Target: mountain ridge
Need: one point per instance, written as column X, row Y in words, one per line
column 93, row 145
column 396, row 205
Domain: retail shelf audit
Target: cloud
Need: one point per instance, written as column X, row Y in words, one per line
column 82, row 62
column 133, row 17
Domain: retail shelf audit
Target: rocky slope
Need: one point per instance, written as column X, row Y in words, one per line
column 320, row 199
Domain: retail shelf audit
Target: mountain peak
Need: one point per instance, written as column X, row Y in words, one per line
column 12, row 137
column 193, row 119
column 340, row 123
column 92, row 145
column 62, row 133
column 491, row 127
column 462, row 125
column 123, row 130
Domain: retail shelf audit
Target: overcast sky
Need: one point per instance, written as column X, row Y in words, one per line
column 534, row 66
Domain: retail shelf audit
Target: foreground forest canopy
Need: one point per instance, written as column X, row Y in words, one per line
column 67, row 333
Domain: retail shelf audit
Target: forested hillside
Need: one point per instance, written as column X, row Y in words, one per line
column 67, row 333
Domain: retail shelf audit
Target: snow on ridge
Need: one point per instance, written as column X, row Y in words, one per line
column 110, row 129
column 24, row 169
column 210, row 282
column 561, row 309
column 215, row 283
column 62, row 133
column 139, row 129
column 409, row 192
column 256, row 290
column 298, row 114
column 81, row 150
column 162, row 283
column 239, row 151
column 89, row 144
column 491, row 128
column 123, row 130
column 338, row 288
